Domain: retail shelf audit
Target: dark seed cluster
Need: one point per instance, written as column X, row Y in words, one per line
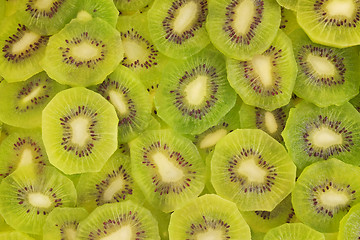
column 39, row 13
column 205, row 225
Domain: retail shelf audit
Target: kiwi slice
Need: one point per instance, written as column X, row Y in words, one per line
column 267, row 80
column 21, row 50
column 288, row 21
column 294, row 231
column 113, row 183
column 123, row 89
column 333, row 23
column 21, row 103
column 79, row 130
column 168, row 168
column 22, row 148
column 15, row 235
column 62, row 223
column 194, row 94
column 125, row 220
column 312, row 134
column 208, row 217
column 104, row 9
column 327, row 75
column 131, row 5
column 324, row 193
column 252, row 169
column 349, row 224
column 288, row 4
column 242, row 29
column 30, row 193
column 84, row 52
column 356, row 102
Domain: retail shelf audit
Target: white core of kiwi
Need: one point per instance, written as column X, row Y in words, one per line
column 212, row 138
column 43, row 4
column 167, row 170
column 26, row 157
column 334, row 198
column 185, row 17
column 70, row 233
column 34, row 93
column 321, row 65
column 29, row 38
column 135, row 51
column 117, row 99
column 251, row 170
column 244, row 13
column 344, row 8
column 195, row 91
column 270, row 122
column 124, row 233
column 84, row 51
column 116, row 185
column 39, row 200
column 80, row 131
column 210, row 234
column 324, row 137
column 263, row 68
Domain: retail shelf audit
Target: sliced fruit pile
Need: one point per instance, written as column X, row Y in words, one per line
column 179, row 119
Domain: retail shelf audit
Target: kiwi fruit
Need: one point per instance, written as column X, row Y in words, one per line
column 312, row 134
column 131, row 6
column 84, row 52
column 356, row 102
column 194, row 94
column 324, row 193
column 125, row 220
column 331, row 23
column 104, row 9
column 30, row 193
column 267, row 79
column 79, row 130
column 288, row 21
column 293, row 231
column 349, row 224
column 21, row 103
column 177, row 27
column 15, row 235
column 288, row 4
column 208, row 217
column 62, row 223
column 168, row 169
column 242, row 29
column 252, row 169
column 113, row 183
column 21, row 50
column 326, row 75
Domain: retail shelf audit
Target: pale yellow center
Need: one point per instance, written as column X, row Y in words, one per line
column 39, row 200
column 249, row 168
column 43, row 4
column 212, row 138
column 342, row 8
column 117, row 99
column 185, row 17
column 321, row 65
column 263, row 68
column 80, row 131
column 26, row 157
column 210, row 234
column 116, row 185
column 26, row 40
column 243, row 16
column 167, row 170
column 333, row 198
column 195, row 91
column 84, row 51
column 70, row 233
column 324, row 137
column 270, row 122
column 124, row 233
column 134, row 51
column 35, row 92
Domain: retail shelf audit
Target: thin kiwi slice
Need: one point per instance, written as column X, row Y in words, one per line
column 242, row 29
column 104, row 9
column 356, row 102
column 288, row 4
column 131, row 5
column 349, row 224
column 22, row 148
column 324, row 193
column 288, row 21
column 194, row 94
column 30, row 193
column 333, row 23
column 294, row 231
column 62, row 223
column 208, row 217
column 21, row 50
column 21, row 103
column 113, row 183
column 326, row 75
column 312, row 134
column 84, row 52
column 252, row 169
column 267, row 79
column 177, row 27
column 14, row 235
column 124, row 90
column 79, row 130
column 168, row 168
column 125, row 220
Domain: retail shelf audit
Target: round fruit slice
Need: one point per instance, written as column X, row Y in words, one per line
column 14, row 235
column 350, row 224
column 208, row 217
column 324, row 193
column 252, row 169
column 293, row 231
column 168, row 169
column 79, row 129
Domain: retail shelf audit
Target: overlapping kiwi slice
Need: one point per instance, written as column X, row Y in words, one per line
column 84, row 52
column 312, row 134
column 242, row 29
column 326, row 75
column 208, row 217
column 349, row 224
column 256, row 170
column 79, row 130
column 356, row 102
column 104, row 9
column 125, row 220
column 267, row 79
column 324, row 193
column 31, row 193
column 194, row 94
column 21, row 103
column 294, row 231
column 131, row 6
column 168, row 169
column 288, row 21
column 15, row 235
column 288, row 4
